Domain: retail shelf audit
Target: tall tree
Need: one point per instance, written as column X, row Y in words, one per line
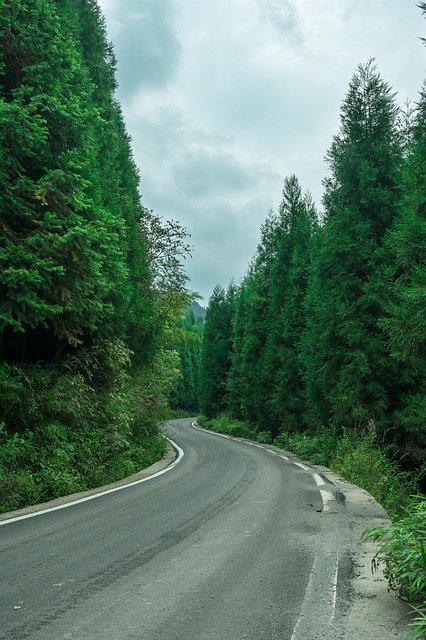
column 288, row 389
column 216, row 351
column 347, row 365
column 406, row 309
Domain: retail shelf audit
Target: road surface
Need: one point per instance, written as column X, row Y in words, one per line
column 236, row 541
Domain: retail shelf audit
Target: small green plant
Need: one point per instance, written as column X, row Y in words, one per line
column 225, row 424
column 402, row 548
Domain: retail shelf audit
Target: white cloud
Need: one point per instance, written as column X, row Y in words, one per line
column 225, row 99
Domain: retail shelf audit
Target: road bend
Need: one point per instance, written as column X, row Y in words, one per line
column 229, row 544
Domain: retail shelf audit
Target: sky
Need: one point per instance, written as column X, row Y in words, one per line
column 223, row 99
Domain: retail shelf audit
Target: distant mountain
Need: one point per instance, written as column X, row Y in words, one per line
column 198, row 311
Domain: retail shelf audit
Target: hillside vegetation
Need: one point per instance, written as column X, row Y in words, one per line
column 91, row 282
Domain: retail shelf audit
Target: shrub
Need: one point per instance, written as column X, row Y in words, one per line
column 402, row 547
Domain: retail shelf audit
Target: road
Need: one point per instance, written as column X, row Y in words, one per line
column 234, row 542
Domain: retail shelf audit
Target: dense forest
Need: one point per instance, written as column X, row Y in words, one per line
column 326, row 329
column 92, row 285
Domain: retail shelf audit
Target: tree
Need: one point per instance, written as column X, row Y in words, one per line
column 186, row 391
column 347, row 368
column 405, row 318
column 288, row 396
column 216, row 351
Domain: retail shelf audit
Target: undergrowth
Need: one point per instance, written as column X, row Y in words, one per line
column 88, row 422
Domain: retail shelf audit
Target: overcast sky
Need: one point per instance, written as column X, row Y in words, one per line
column 225, row 98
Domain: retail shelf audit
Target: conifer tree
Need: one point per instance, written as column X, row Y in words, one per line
column 216, row 351
column 405, row 320
column 253, row 309
column 347, row 364
column 288, row 389
column 60, row 253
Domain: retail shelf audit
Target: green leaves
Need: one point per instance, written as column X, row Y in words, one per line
column 402, row 548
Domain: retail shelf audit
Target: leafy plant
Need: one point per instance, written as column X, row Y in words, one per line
column 402, row 548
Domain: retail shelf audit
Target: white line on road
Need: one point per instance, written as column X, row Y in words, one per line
column 301, row 465
column 334, row 590
column 101, row 493
column 313, row 623
column 318, row 479
column 327, row 498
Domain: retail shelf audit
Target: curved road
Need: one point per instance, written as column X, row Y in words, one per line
column 234, row 542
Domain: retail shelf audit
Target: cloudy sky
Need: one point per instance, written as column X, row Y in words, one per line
column 225, row 98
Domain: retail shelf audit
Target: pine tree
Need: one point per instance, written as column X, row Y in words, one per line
column 216, row 351
column 60, row 253
column 347, row 365
column 405, row 320
column 288, row 389
column 254, row 309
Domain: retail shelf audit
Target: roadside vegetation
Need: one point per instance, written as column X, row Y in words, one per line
column 92, row 287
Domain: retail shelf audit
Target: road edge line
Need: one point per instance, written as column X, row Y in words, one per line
column 93, row 496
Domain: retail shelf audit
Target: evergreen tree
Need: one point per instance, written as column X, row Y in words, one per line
column 406, row 309
column 216, row 351
column 347, row 366
column 186, row 391
column 288, row 389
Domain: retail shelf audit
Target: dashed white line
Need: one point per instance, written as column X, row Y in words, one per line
column 334, row 591
column 318, row 479
column 301, row 465
column 327, row 498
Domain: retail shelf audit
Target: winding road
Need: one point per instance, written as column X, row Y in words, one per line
column 235, row 541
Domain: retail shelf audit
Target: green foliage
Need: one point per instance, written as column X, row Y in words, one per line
column 80, row 425
column 363, row 462
column 348, row 371
column 216, row 350
column 186, row 390
column 91, row 282
column 224, row 423
column 316, row 448
column 402, row 548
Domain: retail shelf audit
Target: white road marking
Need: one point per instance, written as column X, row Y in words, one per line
column 101, row 493
column 301, row 465
column 318, row 479
column 285, row 458
column 327, row 498
column 334, row 591
column 323, row 577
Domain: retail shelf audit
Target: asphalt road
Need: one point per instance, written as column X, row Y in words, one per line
column 234, row 542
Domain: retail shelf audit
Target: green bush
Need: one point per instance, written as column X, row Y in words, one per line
column 315, row 448
column 264, row 437
column 87, row 422
column 230, row 426
column 402, row 547
column 362, row 462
